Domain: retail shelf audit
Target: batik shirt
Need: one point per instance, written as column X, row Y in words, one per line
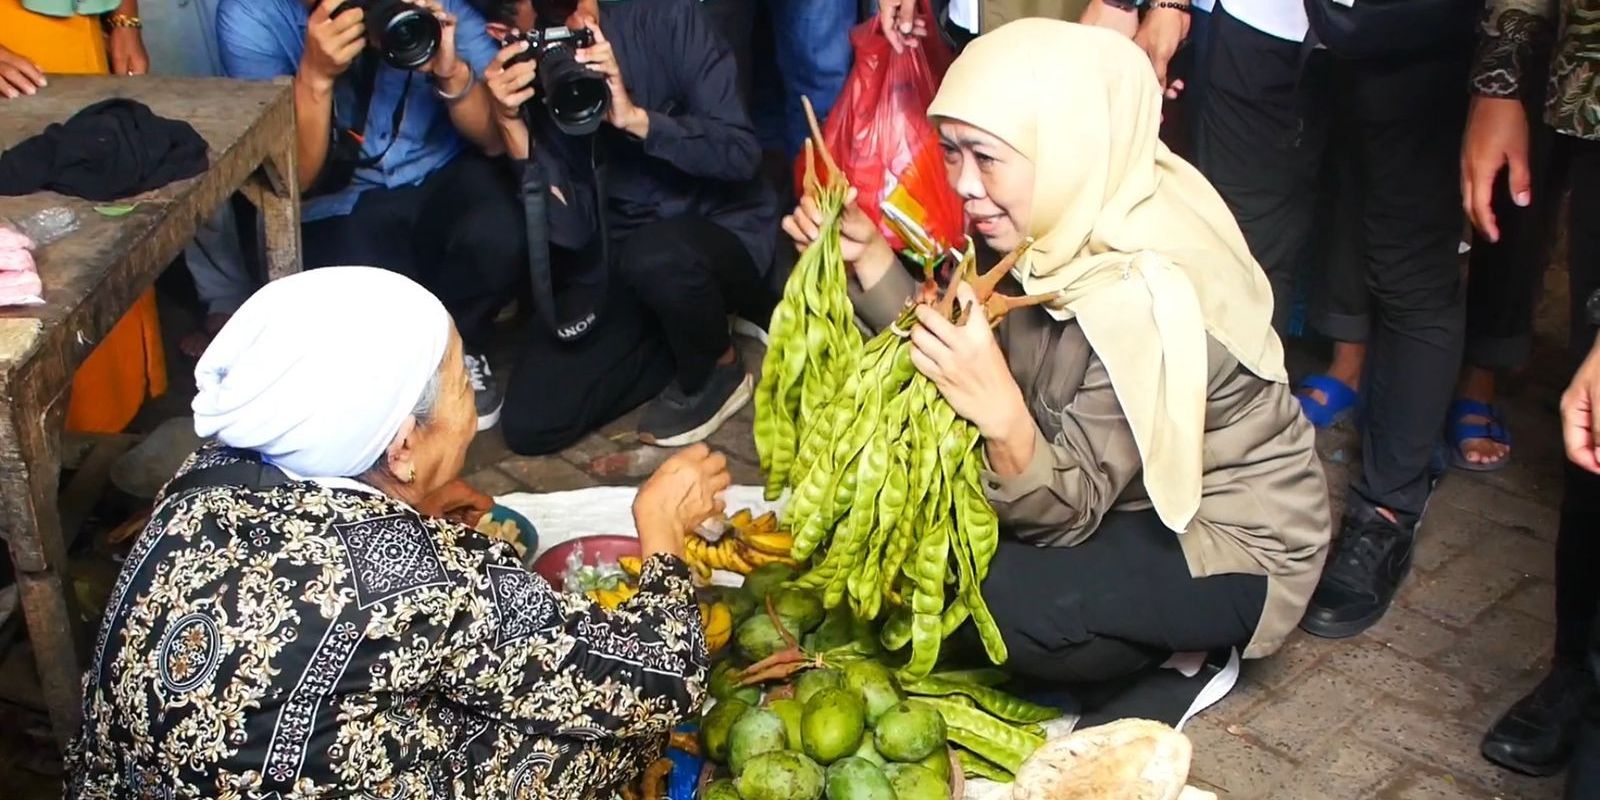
column 1520, row 37
column 303, row 641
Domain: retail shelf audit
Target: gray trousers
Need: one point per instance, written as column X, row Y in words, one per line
column 1274, row 115
column 181, row 39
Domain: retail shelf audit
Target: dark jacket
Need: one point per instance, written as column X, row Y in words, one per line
column 700, row 157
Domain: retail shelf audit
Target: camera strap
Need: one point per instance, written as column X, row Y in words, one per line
column 576, row 311
column 345, row 151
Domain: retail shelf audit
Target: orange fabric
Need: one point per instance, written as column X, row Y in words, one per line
column 129, row 364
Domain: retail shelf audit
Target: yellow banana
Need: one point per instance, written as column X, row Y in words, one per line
column 718, row 625
column 760, row 559
column 740, row 520
column 736, row 560
column 777, row 544
column 766, row 523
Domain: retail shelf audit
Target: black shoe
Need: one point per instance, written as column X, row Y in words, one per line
column 486, row 393
column 676, row 418
column 1535, row 736
column 1368, row 563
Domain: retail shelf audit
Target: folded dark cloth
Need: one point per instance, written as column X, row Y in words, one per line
column 109, row 150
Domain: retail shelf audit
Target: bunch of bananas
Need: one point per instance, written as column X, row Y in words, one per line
column 718, row 621
column 610, row 598
column 715, row 617
column 750, row 542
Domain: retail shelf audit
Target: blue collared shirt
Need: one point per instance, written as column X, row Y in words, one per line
column 264, row 39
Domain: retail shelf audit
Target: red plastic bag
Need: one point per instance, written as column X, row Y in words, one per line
column 880, row 135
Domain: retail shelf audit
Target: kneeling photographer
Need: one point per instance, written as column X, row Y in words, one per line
column 395, row 135
column 647, row 224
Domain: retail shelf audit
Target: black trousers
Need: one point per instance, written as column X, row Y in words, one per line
column 1578, row 541
column 459, row 233
column 1121, row 601
column 1263, row 138
column 673, row 284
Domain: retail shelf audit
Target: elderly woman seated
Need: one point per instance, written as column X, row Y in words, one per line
column 293, row 624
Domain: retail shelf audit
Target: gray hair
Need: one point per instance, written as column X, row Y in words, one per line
column 422, row 412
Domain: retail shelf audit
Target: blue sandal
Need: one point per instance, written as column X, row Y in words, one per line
column 1494, row 430
column 1341, row 401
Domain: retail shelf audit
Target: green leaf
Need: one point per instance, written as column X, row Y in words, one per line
column 115, row 211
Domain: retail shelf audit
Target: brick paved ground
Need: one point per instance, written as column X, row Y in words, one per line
column 1394, row 714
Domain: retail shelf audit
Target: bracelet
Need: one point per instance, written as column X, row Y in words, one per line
column 1175, row 6
column 124, row 21
column 472, row 80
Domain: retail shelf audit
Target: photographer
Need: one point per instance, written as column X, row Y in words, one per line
column 395, row 132
column 637, row 301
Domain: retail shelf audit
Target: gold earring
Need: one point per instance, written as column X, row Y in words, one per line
column 411, row 475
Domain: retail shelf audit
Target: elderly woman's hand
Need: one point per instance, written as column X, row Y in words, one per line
column 965, row 361
column 458, row 502
column 682, row 493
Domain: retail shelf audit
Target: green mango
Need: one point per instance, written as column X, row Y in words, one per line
column 875, row 684
column 758, row 731
column 791, row 711
column 832, row 725
column 763, row 579
column 717, row 724
column 912, row 782
column 724, row 684
column 909, row 733
column 721, row 789
column 781, row 775
column 800, row 610
column 757, row 638
column 858, row 779
column 815, row 680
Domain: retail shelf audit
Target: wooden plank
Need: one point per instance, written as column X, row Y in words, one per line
column 91, row 278
column 89, row 483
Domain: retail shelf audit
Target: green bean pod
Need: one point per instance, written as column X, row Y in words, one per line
column 984, row 734
column 976, row 766
column 1001, row 704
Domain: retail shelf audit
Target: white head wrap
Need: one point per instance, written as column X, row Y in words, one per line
column 318, row 371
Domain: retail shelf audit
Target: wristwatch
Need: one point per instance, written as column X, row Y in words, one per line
column 1125, row 5
column 1591, row 309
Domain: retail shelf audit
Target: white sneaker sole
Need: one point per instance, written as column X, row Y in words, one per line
column 489, row 420
column 743, row 327
column 736, row 401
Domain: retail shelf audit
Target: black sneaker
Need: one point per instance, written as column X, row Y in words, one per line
column 485, row 391
column 1535, row 736
column 676, row 418
column 1368, row 563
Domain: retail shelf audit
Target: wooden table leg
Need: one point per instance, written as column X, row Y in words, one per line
column 276, row 191
column 30, row 469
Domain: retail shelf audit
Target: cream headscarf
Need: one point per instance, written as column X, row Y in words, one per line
column 318, row 371
column 1133, row 241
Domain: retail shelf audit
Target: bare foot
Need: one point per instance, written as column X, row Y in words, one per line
column 1349, row 360
column 1478, row 385
column 194, row 344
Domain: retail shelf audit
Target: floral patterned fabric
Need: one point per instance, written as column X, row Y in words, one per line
column 1521, row 38
column 300, row 641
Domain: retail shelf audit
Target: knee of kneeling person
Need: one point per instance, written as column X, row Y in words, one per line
column 529, row 432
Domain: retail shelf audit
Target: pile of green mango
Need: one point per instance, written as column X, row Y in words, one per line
column 844, row 734
column 850, row 730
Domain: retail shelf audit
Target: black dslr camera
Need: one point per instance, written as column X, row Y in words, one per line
column 576, row 96
column 405, row 34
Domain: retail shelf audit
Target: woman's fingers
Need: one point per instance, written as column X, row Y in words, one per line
column 925, row 365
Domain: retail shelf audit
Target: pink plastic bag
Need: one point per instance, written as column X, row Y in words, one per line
column 880, row 135
column 19, row 276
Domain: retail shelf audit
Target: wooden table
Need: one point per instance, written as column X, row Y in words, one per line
column 91, row 278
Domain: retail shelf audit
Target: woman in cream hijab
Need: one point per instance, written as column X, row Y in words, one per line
column 295, row 622
column 1148, row 462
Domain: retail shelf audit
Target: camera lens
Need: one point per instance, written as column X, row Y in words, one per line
column 576, row 95
column 407, row 36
